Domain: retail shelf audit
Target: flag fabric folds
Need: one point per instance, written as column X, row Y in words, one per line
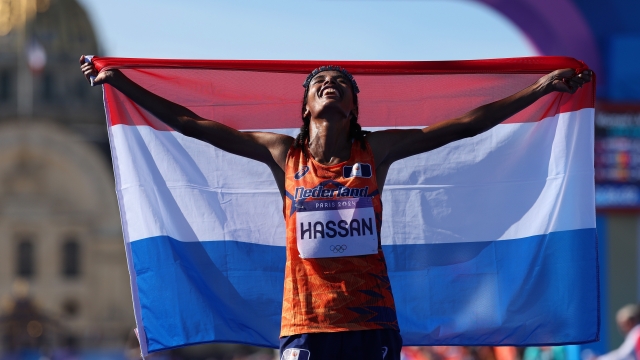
column 489, row 240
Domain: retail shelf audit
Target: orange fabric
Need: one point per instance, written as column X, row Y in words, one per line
column 505, row 352
column 341, row 293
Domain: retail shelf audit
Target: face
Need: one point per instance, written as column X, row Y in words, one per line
column 330, row 92
column 625, row 324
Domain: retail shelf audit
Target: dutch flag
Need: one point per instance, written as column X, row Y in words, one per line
column 490, row 240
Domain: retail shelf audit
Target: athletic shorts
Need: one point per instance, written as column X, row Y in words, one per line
column 348, row 345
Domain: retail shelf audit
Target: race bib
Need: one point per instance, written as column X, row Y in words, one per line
column 333, row 228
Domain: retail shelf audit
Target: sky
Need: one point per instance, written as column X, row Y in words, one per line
column 304, row 29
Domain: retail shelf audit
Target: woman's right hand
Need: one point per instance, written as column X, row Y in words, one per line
column 88, row 69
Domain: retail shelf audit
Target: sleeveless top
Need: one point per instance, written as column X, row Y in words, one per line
column 324, row 290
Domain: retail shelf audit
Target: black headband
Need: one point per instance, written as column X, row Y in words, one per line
column 330, row 68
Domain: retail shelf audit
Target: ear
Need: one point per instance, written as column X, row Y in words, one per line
column 305, row 113
column 353, row 112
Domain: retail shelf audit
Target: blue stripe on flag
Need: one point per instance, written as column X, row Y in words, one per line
column 196, row 292
column 514, row 292
column 510, row 292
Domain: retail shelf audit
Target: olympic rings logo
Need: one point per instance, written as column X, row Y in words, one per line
column 338, row 248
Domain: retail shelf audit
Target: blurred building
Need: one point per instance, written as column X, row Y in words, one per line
column 63, row 271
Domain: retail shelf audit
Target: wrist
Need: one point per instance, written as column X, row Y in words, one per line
column 544, row 86
column 111, row 77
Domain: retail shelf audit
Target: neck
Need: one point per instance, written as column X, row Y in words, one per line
column 329, row 141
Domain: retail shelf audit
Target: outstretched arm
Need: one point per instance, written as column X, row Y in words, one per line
column 268, row 148
column 393, row 145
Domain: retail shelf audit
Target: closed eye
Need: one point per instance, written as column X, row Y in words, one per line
column 318, row 79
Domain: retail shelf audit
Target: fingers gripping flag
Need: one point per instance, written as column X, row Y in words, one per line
column 489, row 240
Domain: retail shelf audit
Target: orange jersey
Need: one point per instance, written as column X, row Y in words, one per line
column 325, row 291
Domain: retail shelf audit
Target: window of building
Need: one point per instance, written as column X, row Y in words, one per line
column 70, row 308
column 47, row 87
column 5, row 84
column 70, row 258
column 26, row 261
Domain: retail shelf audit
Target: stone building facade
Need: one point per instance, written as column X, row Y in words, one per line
column 61, row 247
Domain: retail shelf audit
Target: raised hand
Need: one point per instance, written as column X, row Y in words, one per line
column 88, row 69
column 565, row 80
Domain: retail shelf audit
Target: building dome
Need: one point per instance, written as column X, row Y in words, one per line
column 65, row 30
column 61, row 31
column 61, row 26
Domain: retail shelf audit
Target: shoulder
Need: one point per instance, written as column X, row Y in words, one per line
column 278, row 145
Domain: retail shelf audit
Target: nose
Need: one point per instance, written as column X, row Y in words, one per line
column 329, row 80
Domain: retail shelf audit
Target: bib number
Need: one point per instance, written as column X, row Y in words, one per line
column 334, row 228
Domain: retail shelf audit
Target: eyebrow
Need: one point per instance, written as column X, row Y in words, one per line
column 340, row 75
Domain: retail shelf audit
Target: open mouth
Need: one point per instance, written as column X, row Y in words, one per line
column 329, row 92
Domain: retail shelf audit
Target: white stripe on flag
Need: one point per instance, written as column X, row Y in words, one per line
column 186, row 189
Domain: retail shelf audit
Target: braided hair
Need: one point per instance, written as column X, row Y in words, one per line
column 355, row 130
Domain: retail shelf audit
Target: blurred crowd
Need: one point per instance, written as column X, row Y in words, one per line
column 415, row 353
column 489, row 353
column 627, row 318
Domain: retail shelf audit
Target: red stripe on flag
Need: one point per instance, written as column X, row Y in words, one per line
column 272, row 100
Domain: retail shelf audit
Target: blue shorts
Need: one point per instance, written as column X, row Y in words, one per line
column 352, row 345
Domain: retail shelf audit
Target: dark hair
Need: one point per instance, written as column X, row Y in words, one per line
column 355, row 130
